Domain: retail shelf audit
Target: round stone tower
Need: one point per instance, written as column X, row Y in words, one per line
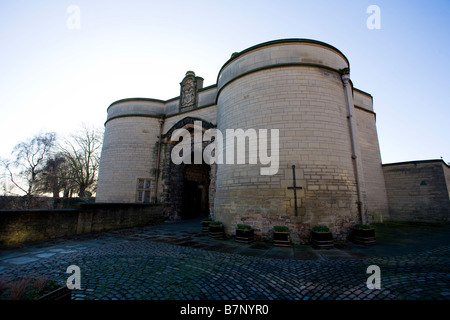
column 295, row 87
column 128, row 153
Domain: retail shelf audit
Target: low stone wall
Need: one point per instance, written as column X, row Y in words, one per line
column 107, row 216
column 19, row 226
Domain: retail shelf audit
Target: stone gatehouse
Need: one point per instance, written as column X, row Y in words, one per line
column 327, row 138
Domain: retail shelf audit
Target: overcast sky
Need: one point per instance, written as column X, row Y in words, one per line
column 64, row 62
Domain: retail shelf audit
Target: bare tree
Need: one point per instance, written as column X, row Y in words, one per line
column 82, row 153
column 6, row 187
column 28, row 160
column 51, row 176
column 57, row 176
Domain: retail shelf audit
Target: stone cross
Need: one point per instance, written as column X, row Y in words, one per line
column 295, row 189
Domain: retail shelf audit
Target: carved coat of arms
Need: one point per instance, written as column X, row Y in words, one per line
column 188, row 96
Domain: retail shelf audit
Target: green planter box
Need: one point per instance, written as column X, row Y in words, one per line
column 322, row 240
column 216, row 231
column 363, row 236
column 205, row 226
column 245, row 235
column 281, row 239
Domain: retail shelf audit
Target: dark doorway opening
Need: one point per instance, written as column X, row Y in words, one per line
column 195, row 191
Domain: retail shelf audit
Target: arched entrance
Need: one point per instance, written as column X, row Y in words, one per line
column 188, row 188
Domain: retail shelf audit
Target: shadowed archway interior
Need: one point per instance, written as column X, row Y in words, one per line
column 195, row 202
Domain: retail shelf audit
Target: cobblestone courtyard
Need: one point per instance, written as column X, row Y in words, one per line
column 176, row 261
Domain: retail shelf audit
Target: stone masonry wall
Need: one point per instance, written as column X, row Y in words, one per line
column 447, row 177
column 19, row 226
column 417, row 191
column 208, row 114
column 377, row 204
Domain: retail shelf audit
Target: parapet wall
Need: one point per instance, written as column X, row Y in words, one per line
column 19, row 226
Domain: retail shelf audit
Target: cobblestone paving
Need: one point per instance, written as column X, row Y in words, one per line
column 164, row 267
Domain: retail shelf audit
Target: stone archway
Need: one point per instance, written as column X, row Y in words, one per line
column 188, row 189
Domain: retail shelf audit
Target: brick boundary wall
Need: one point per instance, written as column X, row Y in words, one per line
column 20, row 226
